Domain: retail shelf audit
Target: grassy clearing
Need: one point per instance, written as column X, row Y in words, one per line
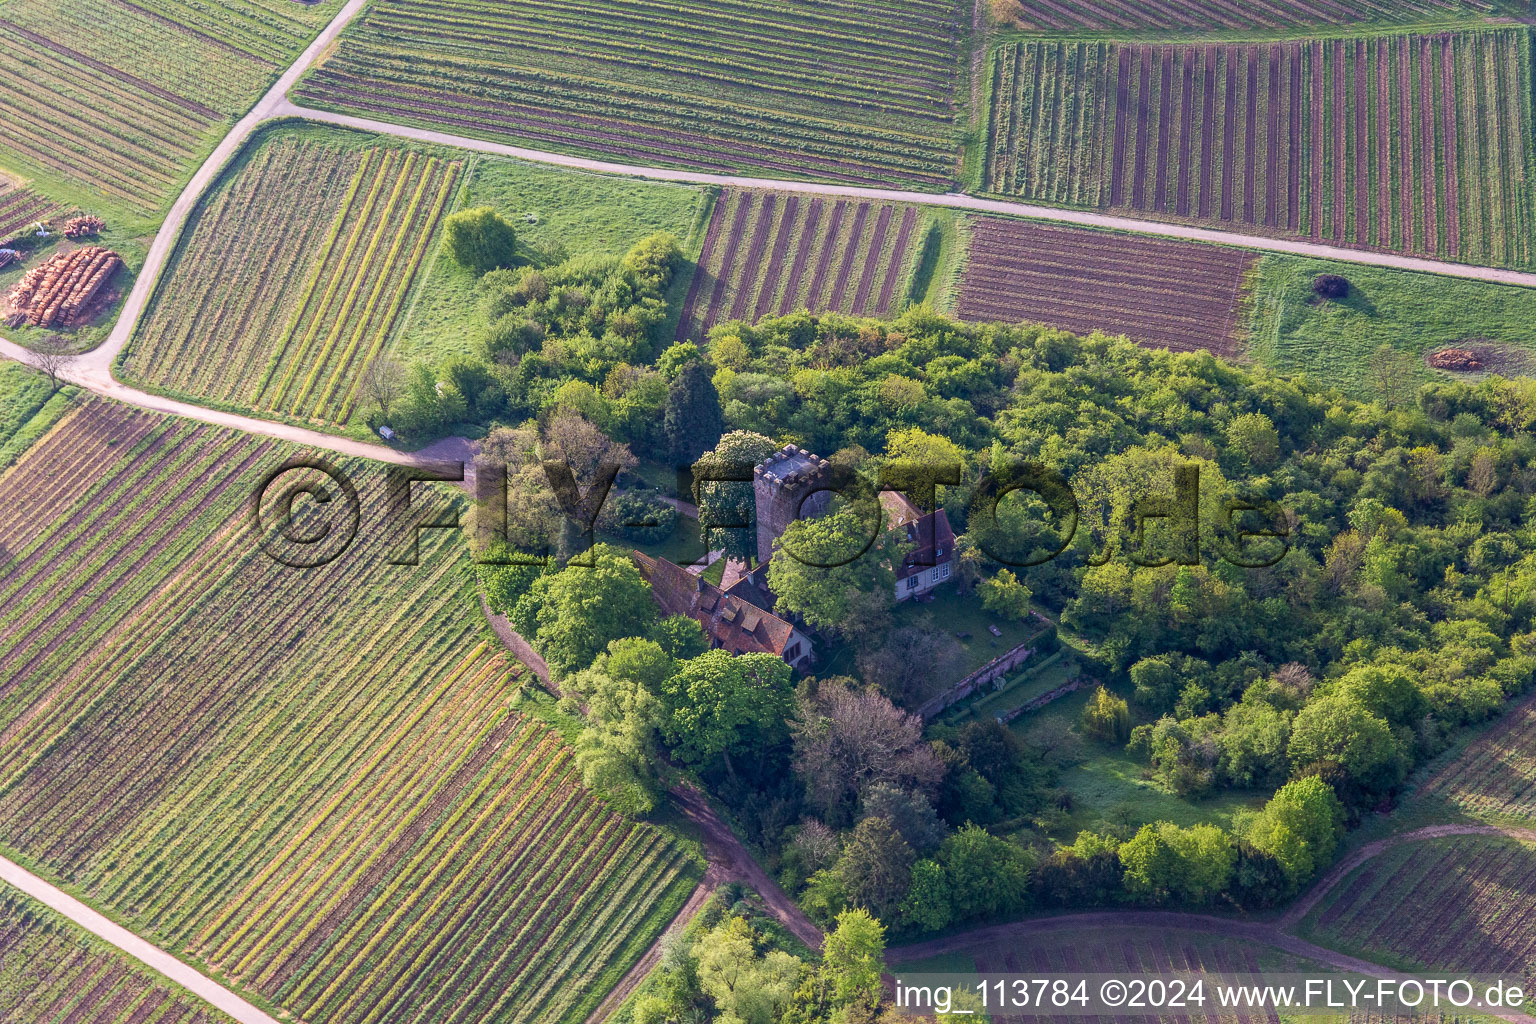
column 1335, row 342
column 576, row 212
column 959, row 613
column 1108, row 784
column 27, row 410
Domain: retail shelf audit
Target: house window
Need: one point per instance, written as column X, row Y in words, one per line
column 934, row 577
column 943, row 571
column 793, row 651
column 912, row 582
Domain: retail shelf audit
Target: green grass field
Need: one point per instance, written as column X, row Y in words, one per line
column 1335, row 342
column 1108, row 784
column 956, row 613
column 574, row 212
column 295, row 776
column 27, row 411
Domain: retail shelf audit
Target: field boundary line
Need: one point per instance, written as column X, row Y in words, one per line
column 1370, row 851
column 952, row 200
column 145, row 953
column 98, row 362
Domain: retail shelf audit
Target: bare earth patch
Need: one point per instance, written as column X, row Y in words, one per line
column 1482, row 356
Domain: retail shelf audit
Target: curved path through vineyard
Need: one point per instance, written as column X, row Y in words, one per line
column 952, row 200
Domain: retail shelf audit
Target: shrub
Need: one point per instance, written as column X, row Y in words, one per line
column 1331, row 286
column 481, row 239
column 637, row 517
column 1006, row 595
column 1107, row 718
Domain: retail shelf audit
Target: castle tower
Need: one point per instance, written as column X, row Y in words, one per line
column 780, row 486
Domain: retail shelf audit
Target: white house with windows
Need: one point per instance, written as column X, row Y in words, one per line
column 931, row 562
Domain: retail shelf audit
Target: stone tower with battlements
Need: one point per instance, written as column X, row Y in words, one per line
column 780, row 486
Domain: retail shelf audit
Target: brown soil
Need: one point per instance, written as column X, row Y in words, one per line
column 1481, row 355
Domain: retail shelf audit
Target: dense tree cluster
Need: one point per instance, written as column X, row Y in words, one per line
column 1284, row 591
column 572, row 334
column 733, row 967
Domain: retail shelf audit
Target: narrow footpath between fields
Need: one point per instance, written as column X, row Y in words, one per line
column 150, row 956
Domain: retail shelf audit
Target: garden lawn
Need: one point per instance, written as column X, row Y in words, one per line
column 956, row 613
column 1335, row 342
column 1107, row 783
column 682, row 547
column 574, row 211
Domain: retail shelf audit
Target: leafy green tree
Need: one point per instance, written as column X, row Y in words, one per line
column 1388, row 691
column 1254, row 438
column 1253, row 739
column 926, row 906
column 692, row 419
column 681, row 637
column 853, row 958
column 618, row 750
column 505, row 584
column 818, row 573
column 1300, row 828
column 876, row 867
column 824, row 898
column 731, row 501
column 988, row 876
column 745, row 987
column 1107, row 718
column 909, row 810
column 480, row 240
column 571, row 615
column 655, row 258
column 1338, row 729
column 1006, row 595
column 719, row 704
column 1166, row 863
column 430, row 404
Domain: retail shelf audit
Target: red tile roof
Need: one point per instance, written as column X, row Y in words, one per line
column 735, row 625
column 934, row 540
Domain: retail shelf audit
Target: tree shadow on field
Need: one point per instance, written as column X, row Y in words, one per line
column 1355, row 302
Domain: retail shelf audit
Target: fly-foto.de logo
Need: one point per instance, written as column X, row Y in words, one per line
column 308, row 511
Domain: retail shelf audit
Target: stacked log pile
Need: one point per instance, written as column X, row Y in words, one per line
column 80, row 227
column 57, row 292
